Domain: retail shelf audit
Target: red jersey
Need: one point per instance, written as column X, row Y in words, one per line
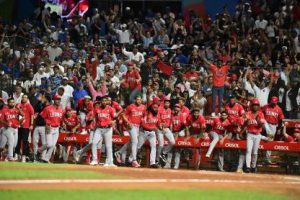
column 220, row 126
column 196, row 125
column 191, row 75
column 89, row 119
column 116, row 106
column 254, row 122
column 219, row 75
column 11, row 116
column 178, row 122
column 71, row 121
column 131, row 78
column 28, row 112
column 135, row 113
column 104, row 116
column 150, row 122
column 2, row 115
column 273, row 114
column 164, row 116
column 84, row 108
column 185, row 111
column 235, row 113
column 53, row 116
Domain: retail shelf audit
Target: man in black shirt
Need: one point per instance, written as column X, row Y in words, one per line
column 39, row 131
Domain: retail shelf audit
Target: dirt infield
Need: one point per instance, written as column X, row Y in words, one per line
column 129, row 178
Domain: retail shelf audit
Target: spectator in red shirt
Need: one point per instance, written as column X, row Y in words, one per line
column 26, row 127
column 291, row 138
column 219, row 73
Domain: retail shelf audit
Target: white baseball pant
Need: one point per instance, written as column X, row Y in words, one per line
column 9, row 136
column 51, row 140
column 134, row 133
column 151, row 137
column 39, row 133
column 166, row 132
column 253, row 141
column 176, row 152
column 82, row 116
column 99, row 134
column 271, row 130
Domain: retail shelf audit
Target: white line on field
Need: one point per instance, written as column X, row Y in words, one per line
column 61, row 181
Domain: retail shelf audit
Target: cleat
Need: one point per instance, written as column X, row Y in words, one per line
column 247, row 170
column 94, row 163
column 118, row 157
column 239, row 171
column 135, row 164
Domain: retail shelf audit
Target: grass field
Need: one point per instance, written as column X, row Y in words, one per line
column 138, row 195
column 138, row 191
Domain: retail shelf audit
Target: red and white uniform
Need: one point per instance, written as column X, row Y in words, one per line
column 83, row 107
column 53, row 115
column 135, row 113
column 219, row 126
column 273, row 115
column 196, row 125
column 165, row 116
column 104, row 116
column 71, row 121
column 254, row 122
column 28, row 112
column 150, row 122
column 235, row 113
column 11, row 116
column 178, row 122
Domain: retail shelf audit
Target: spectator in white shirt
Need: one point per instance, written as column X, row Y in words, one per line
column 262, row 92
column 68, row 90
column 134, row 55
column 54, row 51
column 39, row 75
column 17, row 95
column 124, row 34
column 260, row 23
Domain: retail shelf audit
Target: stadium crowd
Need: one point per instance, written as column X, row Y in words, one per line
column 150, row 77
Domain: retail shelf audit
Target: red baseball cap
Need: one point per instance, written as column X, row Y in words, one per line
column 297, row 130
column 274, row 99
column 167, row 98
column 255, row 102
column 177, row 105
column 154, row 105
column 156, row 99
column 130, row 63
column 56, row 97
column 234, row 77
column 68, row 108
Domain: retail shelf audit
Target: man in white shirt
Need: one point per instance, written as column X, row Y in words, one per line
column 68, row 90
column 262, row 92
column 54, row 51
column 124, row 35
column 39, row 75
column 134, row 55
column 260, row 23
column 65, row 99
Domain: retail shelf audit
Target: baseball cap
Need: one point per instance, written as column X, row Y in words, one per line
column 255, row 102
column 274, row 99
column 154, row 106
column 167, row 98
column 87, row 97
column 231, row 96
column 156, row 99
column 68, row 108
column 297, row 130
column 177, row 105
column 130, row 63
column 56, row 97
column 65, row 78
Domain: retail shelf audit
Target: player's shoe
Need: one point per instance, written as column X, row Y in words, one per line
column 135, row 164
column 94, row 163
column 247, row 170
column 23, row 159
column 76, row 156
column 253, row 170
column 163, row 157
column 239, row 171
column 109, row 165
column 154, row 166
column 118, row 157
column 167, row 166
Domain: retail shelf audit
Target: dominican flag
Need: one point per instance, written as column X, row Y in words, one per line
column 81, row 8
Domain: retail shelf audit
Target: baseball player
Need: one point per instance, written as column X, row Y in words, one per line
column 84, row 105
column 255, row 120
column 39, row 130
column 25, row 128
column 218, row 133
column 104, row 116
column 53, row 116
column 291, row 138
column 70, row 124
column 274, row 116
column 195, row 127
column 178, row 122
column 3, row 139
column 90, row 127
column 13, row 118
column 184, row 110
column 164, row 118
column 150, row 126
column 133, row 118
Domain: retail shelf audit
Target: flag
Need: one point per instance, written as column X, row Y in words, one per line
column 81, row 7
column 164, row 68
